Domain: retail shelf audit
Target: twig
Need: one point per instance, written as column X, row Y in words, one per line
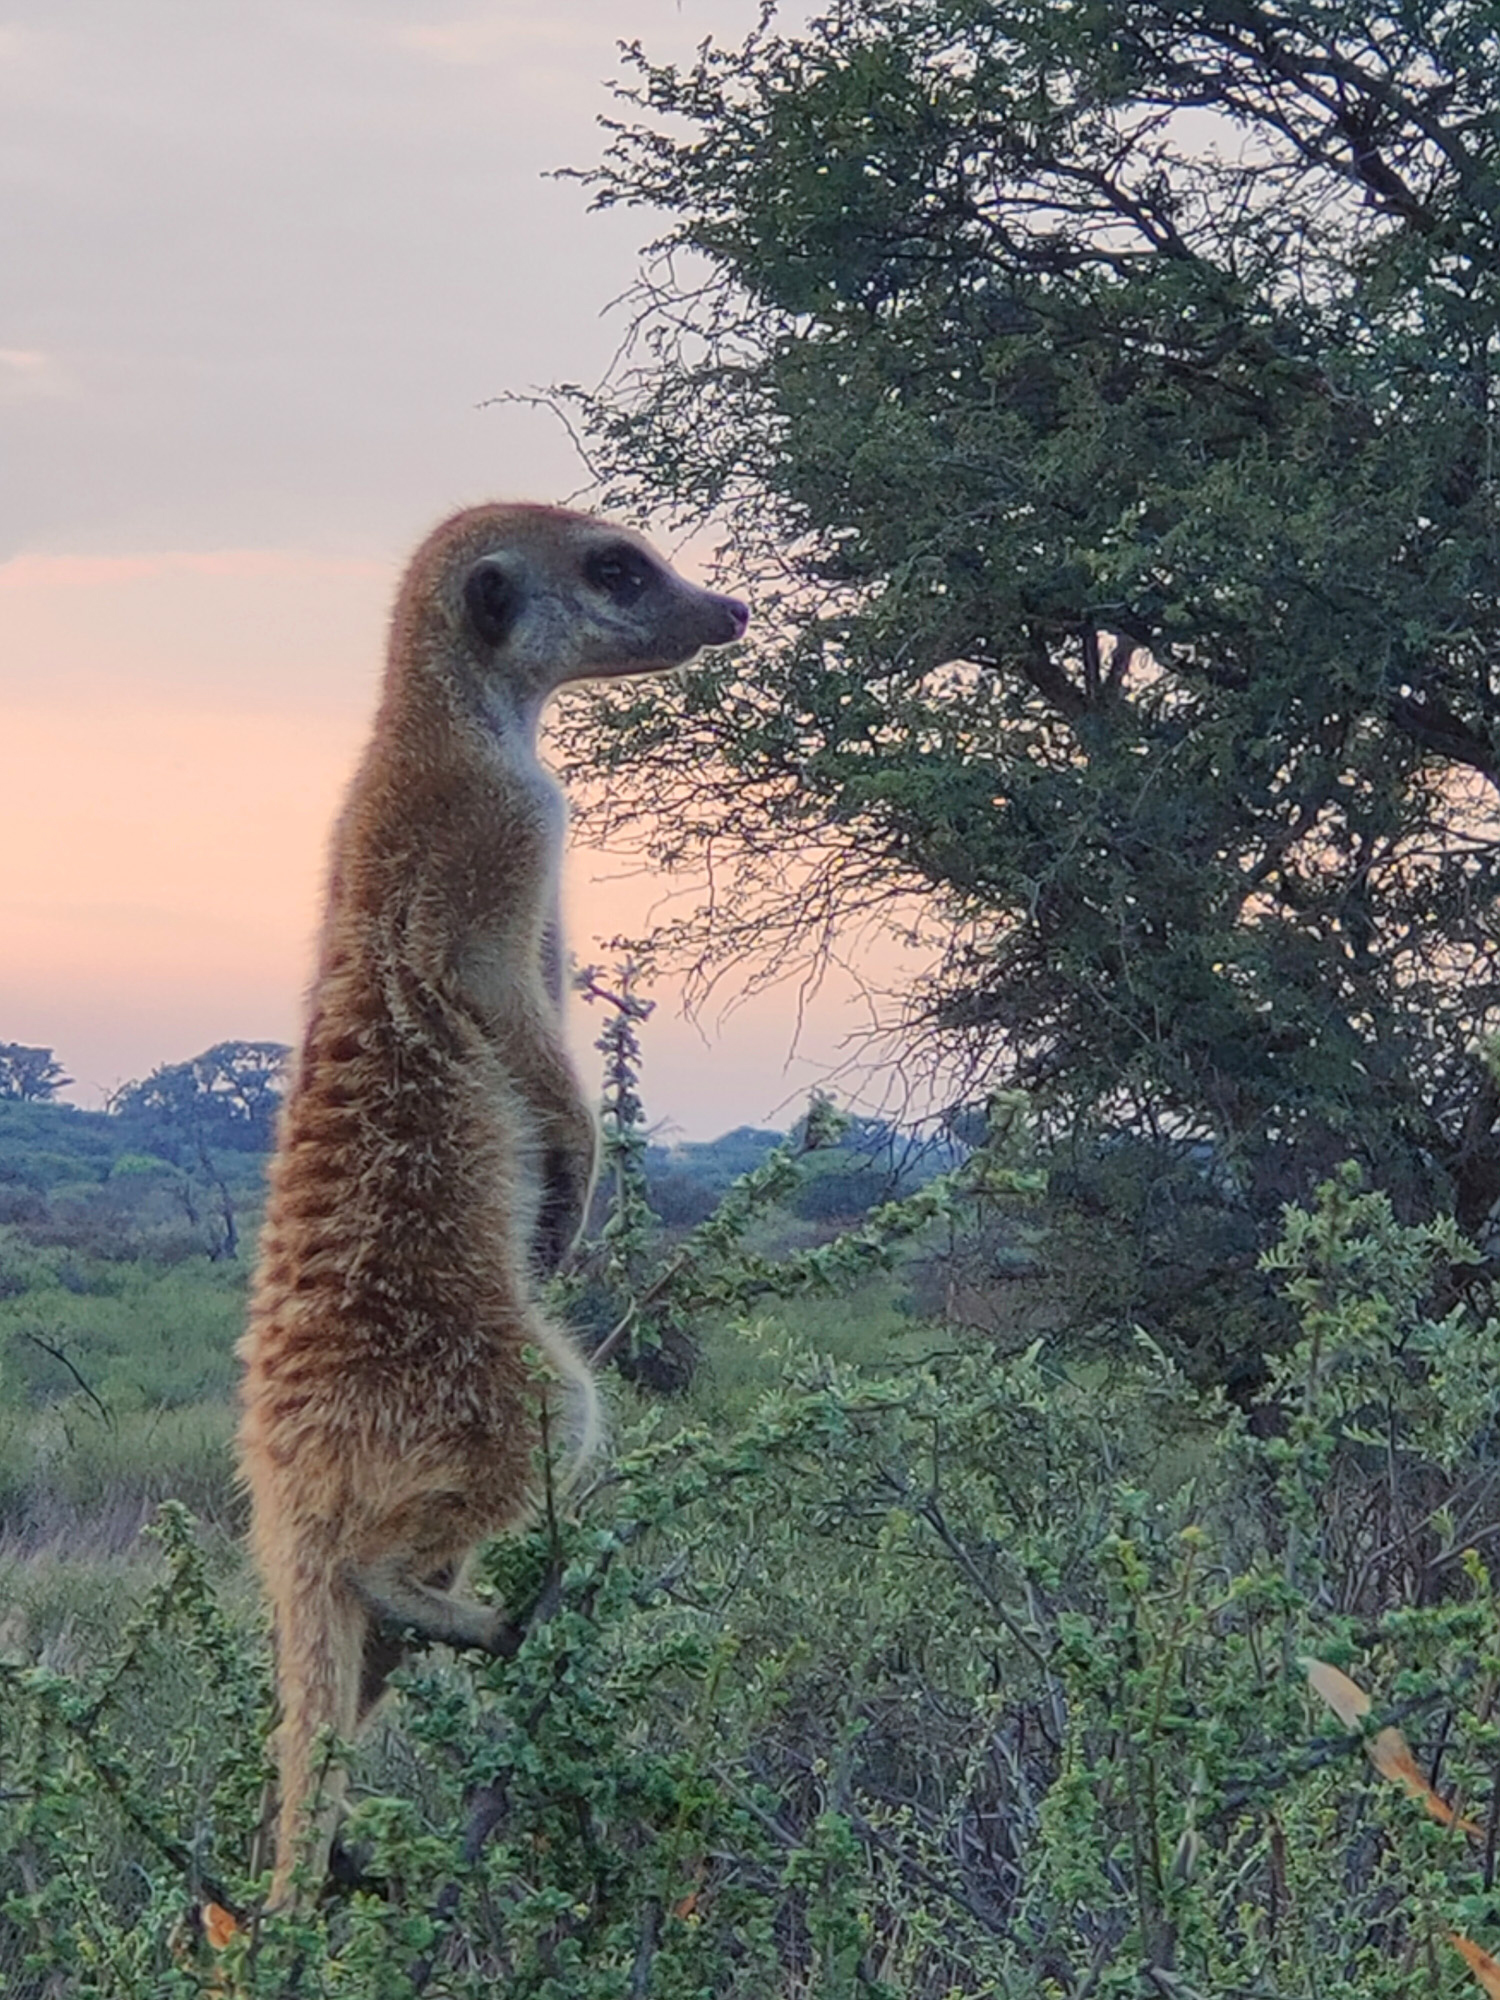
column 487, row 1808
column 58, row 1354
column 1089, row 1984
column 181, row 1856
column 928, row 1510
column 1320, row 1751
column 1170, row 1985
column 791, row 1840
column 604, row 1352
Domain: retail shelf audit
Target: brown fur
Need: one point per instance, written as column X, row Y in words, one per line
column 435, row 1151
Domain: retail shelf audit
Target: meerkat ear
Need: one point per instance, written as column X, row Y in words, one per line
column 492, row 599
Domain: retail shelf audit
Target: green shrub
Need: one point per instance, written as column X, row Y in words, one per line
column 928, row 1677
column 138, row 1335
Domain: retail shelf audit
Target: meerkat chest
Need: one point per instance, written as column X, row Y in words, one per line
column 517, row 867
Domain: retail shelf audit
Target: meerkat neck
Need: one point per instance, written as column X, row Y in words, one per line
column 513, row 715
column 421, row 711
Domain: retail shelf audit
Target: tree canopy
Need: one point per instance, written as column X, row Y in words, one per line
column 1100, row 401
column 226, row 1097
column 29, row 1075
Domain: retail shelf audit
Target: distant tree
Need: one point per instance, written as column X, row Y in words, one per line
column 1104, row 403
column 228, row 1096
column 224, row 1100
column 28, row 1075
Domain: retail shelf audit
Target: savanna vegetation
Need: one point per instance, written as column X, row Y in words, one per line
column 905, row 1648
column 1048, row 1553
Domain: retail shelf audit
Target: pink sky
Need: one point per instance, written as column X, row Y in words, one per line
column 161, row 845
column 262, row 273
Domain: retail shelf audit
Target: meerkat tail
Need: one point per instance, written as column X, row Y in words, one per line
column 321, row 1634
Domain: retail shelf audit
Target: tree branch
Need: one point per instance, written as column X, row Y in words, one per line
column 1438, row 729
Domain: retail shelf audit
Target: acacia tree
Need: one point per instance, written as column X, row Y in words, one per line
column 29, row 1075
column 224, row 1100
column 1101, row 401
column 227, row 1097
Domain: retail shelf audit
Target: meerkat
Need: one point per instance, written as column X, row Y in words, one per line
column 435, row 1152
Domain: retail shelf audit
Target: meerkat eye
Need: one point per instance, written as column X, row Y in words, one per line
column 620, row 572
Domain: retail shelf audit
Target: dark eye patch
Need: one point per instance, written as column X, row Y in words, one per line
column 620, row 571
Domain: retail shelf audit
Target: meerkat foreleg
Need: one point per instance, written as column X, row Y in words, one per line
column 401, row 1601
column 567, row 1137
column 570, row 1154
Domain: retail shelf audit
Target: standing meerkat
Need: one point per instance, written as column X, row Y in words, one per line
column 435, row 1152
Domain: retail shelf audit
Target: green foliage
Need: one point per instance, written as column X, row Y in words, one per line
column 1381, row 1484
column 685, row 1180
column 1100, row 402
column 43, row 1144
column 628, row 1217
column 119, row 1311
column 656, row 1296
column 84, row 1813
column 81, row 1181
column 115, row 1386
column 138, row 1336
column 944, row 1676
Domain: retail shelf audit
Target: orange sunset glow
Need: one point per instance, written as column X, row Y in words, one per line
column 164, row 811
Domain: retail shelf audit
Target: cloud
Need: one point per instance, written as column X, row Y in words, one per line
column 267, row 268
column 487, row 38
column 35, row 571
column 28, row 372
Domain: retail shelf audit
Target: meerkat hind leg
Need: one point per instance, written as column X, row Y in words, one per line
column 399, row 1599
column 384, row 1651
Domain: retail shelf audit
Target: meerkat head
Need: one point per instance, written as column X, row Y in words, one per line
column 533, row 597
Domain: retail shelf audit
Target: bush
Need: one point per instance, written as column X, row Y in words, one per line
column 943, row 1677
